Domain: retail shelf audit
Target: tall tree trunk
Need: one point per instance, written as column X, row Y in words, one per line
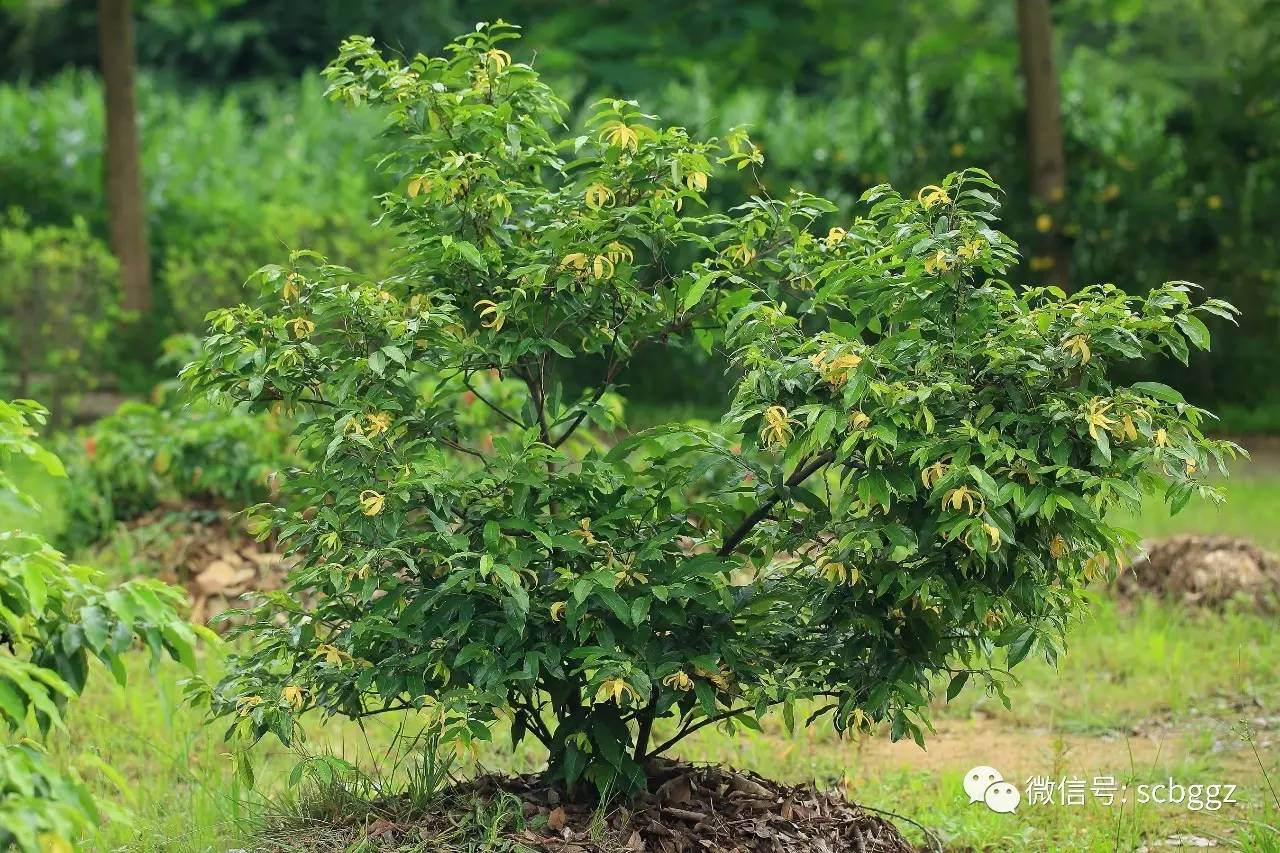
column 1046, row 159
column 125, row 208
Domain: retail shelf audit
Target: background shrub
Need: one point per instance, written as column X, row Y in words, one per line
column 59, row 309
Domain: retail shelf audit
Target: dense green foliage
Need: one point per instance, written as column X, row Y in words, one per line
column 231, row 180
column 144, row 456
column 914, row 471
column 58, row 308
column 1169, row 108
column 54, row 618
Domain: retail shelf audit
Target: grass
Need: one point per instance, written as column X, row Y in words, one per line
column 1144, row 693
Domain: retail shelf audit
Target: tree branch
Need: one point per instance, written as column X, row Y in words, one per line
column 494, row 406
column 802, row 473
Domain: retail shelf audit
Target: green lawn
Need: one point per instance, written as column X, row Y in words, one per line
column 1144, row 693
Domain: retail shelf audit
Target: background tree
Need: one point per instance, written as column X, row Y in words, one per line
column 126, row 208
column 1046, row 160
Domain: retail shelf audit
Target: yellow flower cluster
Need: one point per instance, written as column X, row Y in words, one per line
column 371, row 502
column 931, row 195
column 491, row 316
column 964, row 498
column 597, row 266
column 777, row 430
column 834, row 371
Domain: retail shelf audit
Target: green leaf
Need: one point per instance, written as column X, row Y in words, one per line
column 697, row 289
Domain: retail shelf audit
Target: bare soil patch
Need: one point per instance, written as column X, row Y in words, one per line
column 1204, row 571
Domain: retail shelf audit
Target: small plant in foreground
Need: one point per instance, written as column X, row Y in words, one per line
column 53, row 617
column 920, row 456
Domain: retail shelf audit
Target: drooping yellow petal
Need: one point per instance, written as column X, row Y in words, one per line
column 598, row 195
column 302, row 328
column 371, row 502
column 931, row 195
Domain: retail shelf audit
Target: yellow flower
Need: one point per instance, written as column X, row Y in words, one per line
column 777, row 430
column 931, row 195
column 836, row 371
column 931, row 475
column 1214, row 202
column 1096, row 567
column 332, row 654
column 619, row 134
column 495, row 317
column 618, row 252
column 993, row 534
column 1162, row 438
column 615, row 689
column 1044, row 223
column 291, row 288
column 601, row 267
column 838, row 573
column 741, row 253
column 245, row 704
column 679, row 680
column 1057, row 548
column 1041, row 263
column 964, row 498
column 626, row 577
column 835, row 236
column 716, row 678
column 1127, row 429
column 379, row 422
column 971, row 249
column 957, row 149
column 371, row 502
column 1097, row 416
column 500, row 58
column 294, row 696
column 301, row 327
column 584, row 532
column 937, row 262
column 1189, row 466
column 598, row 195
column 557, row 611
column 859, row 421
column 1079, row 347
column 696, row 181
column 418, row 185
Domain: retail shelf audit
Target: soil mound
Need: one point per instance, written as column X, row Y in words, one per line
column 1204, row 571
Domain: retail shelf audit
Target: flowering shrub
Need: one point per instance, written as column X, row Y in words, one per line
column 923, row 456
column 54, row 617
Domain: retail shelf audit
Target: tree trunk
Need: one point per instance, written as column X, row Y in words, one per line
column 1046, row 160
column 125, row 210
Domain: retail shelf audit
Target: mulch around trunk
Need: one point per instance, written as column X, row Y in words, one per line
column 687, row 809
column 1204, row 571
